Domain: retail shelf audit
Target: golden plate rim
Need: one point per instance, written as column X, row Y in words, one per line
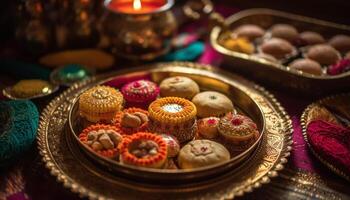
column 281, row 159
column 303, row 122
column 214, row 35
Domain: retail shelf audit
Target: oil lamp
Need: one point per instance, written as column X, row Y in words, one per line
column 139, row 29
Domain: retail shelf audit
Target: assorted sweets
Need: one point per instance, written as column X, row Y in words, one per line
column 285, row 44
column 173, row 126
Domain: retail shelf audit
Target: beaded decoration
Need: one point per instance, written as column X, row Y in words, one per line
column 100, row 103
column 172, row 110
column 140, row 93
column 237, row 128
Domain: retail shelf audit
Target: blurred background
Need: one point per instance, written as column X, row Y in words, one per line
column 330, row 10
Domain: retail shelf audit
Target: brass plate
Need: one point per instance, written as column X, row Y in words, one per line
column 274, row 73
column 207, row 81
column 79, row 173
column 334, row 101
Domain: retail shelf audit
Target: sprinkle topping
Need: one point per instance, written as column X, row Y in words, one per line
column 172, row 108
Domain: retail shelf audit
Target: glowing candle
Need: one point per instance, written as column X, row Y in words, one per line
column 135, row 6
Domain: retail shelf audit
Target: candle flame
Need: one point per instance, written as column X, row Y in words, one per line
column 137, row 4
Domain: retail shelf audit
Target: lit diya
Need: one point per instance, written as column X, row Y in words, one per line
column 136, row 6
column 141, row 29
column 173, row 116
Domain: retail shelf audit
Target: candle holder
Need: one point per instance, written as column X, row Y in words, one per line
column 139, row 30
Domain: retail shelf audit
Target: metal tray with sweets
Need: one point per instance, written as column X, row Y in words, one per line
column 273, row 73
column 95, row 177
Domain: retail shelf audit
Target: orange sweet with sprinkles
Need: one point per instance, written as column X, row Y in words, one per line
column 143, row 149
column 172, row 110
column 103, row 139
column 131, row 120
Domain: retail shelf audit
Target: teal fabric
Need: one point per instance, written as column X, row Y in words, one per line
column 189, row 53
column 19, row 124
column 23, row 70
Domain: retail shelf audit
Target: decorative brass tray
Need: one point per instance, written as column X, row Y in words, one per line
column 244, row 104
column 331, row 100
column 274, row 73
column 78, row 172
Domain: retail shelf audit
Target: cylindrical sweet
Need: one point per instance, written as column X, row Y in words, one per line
column 100, row 103
column 140, row 93
column 173, row 116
